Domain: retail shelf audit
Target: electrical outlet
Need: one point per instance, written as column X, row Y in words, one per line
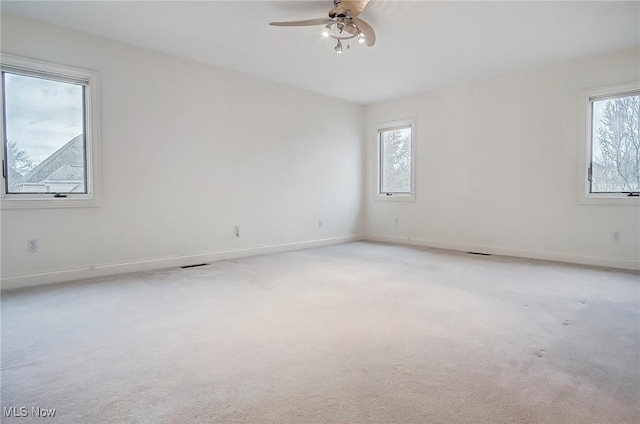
column 615, row 236
column 320, row 224
column 32, row 246
column 236, row 230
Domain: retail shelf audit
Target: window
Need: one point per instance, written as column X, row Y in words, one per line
column 396, row 160
column 49, row 127
column 612, row 161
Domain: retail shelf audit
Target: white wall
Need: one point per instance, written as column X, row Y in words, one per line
column 497, row 165
column 188, row 151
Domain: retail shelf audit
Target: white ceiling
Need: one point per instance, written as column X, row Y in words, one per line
column 420, row 45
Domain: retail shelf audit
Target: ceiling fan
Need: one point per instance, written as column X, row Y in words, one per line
column 342, row 24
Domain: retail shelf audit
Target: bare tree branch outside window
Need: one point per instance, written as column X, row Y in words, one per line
column 19, row 159
column 616, row 145
column 395, row 150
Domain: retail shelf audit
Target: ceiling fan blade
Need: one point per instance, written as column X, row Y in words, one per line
column 369, row 33
column 355, row 6
column 308, row 22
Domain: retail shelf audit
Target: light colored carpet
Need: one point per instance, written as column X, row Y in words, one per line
column 353, row 333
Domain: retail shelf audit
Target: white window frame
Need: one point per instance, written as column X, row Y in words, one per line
column 586, row 113
column 92, row 131
column 395, row 197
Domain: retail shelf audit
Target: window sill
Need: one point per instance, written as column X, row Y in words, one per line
column 610, row 200
column 396, row 198
column 6, row 204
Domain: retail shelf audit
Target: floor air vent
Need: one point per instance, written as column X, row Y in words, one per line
column 193, row 266
column 480, row 254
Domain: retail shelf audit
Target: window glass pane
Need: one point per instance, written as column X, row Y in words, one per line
column 395, row 160
column 615, row 142
column 44, row 127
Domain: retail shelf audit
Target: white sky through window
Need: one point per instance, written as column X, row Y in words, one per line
column 42, row 115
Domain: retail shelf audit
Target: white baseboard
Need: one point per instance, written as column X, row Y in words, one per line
column 59, row 276
column 627, row 264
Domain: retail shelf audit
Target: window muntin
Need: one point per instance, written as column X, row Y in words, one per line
column 614, row 145
column 58, row 106
column 44, row 127
column 396, row 160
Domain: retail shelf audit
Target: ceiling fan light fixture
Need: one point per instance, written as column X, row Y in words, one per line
column 343, row 24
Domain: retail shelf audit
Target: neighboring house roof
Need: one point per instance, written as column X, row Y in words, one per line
column 15, row 177
column 65, row 164
column 598, row 171
column 67, row 173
